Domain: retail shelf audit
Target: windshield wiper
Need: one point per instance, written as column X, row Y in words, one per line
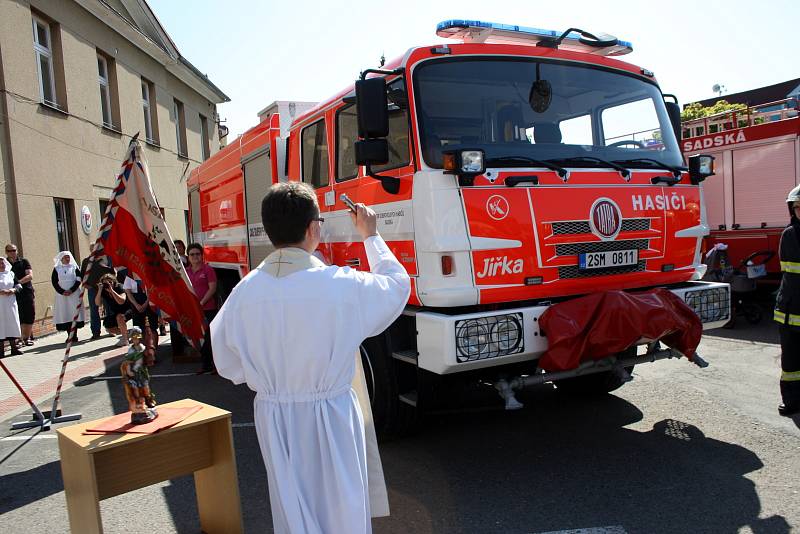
column 562, row 172
column 676, row 171
column 622, row 170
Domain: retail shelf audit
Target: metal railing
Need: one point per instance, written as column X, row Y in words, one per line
column 788, row 108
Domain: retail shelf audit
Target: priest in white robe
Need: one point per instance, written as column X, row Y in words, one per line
column 291, row 330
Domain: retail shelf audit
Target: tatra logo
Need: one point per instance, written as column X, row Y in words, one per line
column 658, row 202
column 605, row 218
column 497, row 207
column 717, row 140
column 500, row 265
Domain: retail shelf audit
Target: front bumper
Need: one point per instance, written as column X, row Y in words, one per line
column 442, row 349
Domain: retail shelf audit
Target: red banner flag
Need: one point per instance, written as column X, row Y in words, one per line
column 134, row 235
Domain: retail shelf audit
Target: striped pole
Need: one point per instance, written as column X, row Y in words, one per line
column 96, row 253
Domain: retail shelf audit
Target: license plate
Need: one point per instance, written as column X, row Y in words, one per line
column 602, row 260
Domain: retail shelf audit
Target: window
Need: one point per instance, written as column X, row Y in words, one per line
column 103, row 207
column 398, row 127
column 109, row 95
column 631, row 125
column 346, row 136
column 315, row 154
column 64, row 223
column 205, row 149
column 149, row 109
column 43, row 48
column 577, row 131
column 180, row 126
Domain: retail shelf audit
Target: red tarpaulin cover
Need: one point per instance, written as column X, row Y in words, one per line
column 601, row 324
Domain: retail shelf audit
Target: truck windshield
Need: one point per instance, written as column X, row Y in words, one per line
column 513, row 107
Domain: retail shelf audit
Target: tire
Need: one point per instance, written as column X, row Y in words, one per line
column 597, row 383
column 752, row 313
column 393, row 418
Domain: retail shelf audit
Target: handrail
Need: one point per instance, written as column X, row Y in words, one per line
column 731, row 120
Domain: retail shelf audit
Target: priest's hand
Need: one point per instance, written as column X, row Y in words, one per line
column 365, row 221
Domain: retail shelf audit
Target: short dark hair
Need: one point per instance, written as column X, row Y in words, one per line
column 193, row 246
column 287, row 210
column 180, row 241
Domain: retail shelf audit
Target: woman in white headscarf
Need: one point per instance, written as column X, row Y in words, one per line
column 66, row 279
column 9, row 316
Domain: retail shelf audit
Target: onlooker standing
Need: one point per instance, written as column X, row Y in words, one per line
column 180, row 246
column 787, row 308
column 66, row 280
column 176, row 339
column 100, row 267
column 9, row 318
column 204, row 283
column 26, row 302
column 115, row 303
column 145, row 315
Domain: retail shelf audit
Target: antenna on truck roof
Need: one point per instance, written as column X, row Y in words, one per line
column 476, row 31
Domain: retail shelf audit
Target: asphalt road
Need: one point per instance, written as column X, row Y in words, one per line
column 678, row 450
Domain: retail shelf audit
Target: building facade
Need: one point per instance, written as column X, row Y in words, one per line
column 78, row 79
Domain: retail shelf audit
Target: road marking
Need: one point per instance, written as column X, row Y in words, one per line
column 26, row 438
column 616, row 529
column 151, row 376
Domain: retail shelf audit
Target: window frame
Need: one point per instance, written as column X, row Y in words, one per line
column 205, row 147
column 150, row 111
column 65, row 224
column 40, row 51
column 327, row 152
column 105, row 89
column 180, row 128
column 338, row 178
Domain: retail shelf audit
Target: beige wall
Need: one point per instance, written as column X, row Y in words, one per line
column 65, row 155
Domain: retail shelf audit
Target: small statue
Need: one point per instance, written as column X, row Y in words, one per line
column 136, row 380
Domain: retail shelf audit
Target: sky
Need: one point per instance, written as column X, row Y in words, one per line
column 260, row 51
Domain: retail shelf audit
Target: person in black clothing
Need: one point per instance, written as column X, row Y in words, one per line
column 112, row 297
column 26, row 302
column 145, row 316
column 787, row 309
column 100, row 266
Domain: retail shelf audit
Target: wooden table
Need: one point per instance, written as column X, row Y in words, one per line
column 96, row 467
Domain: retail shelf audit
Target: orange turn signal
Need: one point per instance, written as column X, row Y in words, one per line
column 449, row 161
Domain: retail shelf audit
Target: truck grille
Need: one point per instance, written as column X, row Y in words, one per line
column 571, row 249
column 572, row 271
column 582, row 227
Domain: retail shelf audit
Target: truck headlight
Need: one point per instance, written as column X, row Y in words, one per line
column 709, row 304
column 488, row 337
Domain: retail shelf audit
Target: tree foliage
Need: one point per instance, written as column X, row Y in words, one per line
column 696, row 111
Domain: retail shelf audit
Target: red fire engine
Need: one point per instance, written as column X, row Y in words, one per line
column 510, row 171
column 757, row 154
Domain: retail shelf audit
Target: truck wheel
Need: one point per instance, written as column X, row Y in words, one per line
column 393, row 417
column 597, row 383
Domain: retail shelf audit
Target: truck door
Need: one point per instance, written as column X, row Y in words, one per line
column 315, row 170
column 257, row 176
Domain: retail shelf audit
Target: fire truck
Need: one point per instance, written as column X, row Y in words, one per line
column 757, row 153
column 511, row 169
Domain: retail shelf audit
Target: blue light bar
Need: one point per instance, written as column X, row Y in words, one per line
column 476, row 31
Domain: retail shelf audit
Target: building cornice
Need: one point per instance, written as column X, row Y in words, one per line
column 165, row 52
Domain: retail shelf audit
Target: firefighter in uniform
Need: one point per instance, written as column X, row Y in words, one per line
column 787, row 309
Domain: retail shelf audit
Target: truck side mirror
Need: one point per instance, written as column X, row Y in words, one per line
column 372, row 108
column 674, row 113
column 372, row 152
column 701, row 166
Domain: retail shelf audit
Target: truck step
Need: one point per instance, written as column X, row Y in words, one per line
column 409, row 397
column 408, row 356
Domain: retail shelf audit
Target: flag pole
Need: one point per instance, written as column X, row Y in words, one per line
column 96, row 253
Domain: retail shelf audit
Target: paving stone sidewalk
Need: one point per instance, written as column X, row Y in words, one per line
column 38, row 368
